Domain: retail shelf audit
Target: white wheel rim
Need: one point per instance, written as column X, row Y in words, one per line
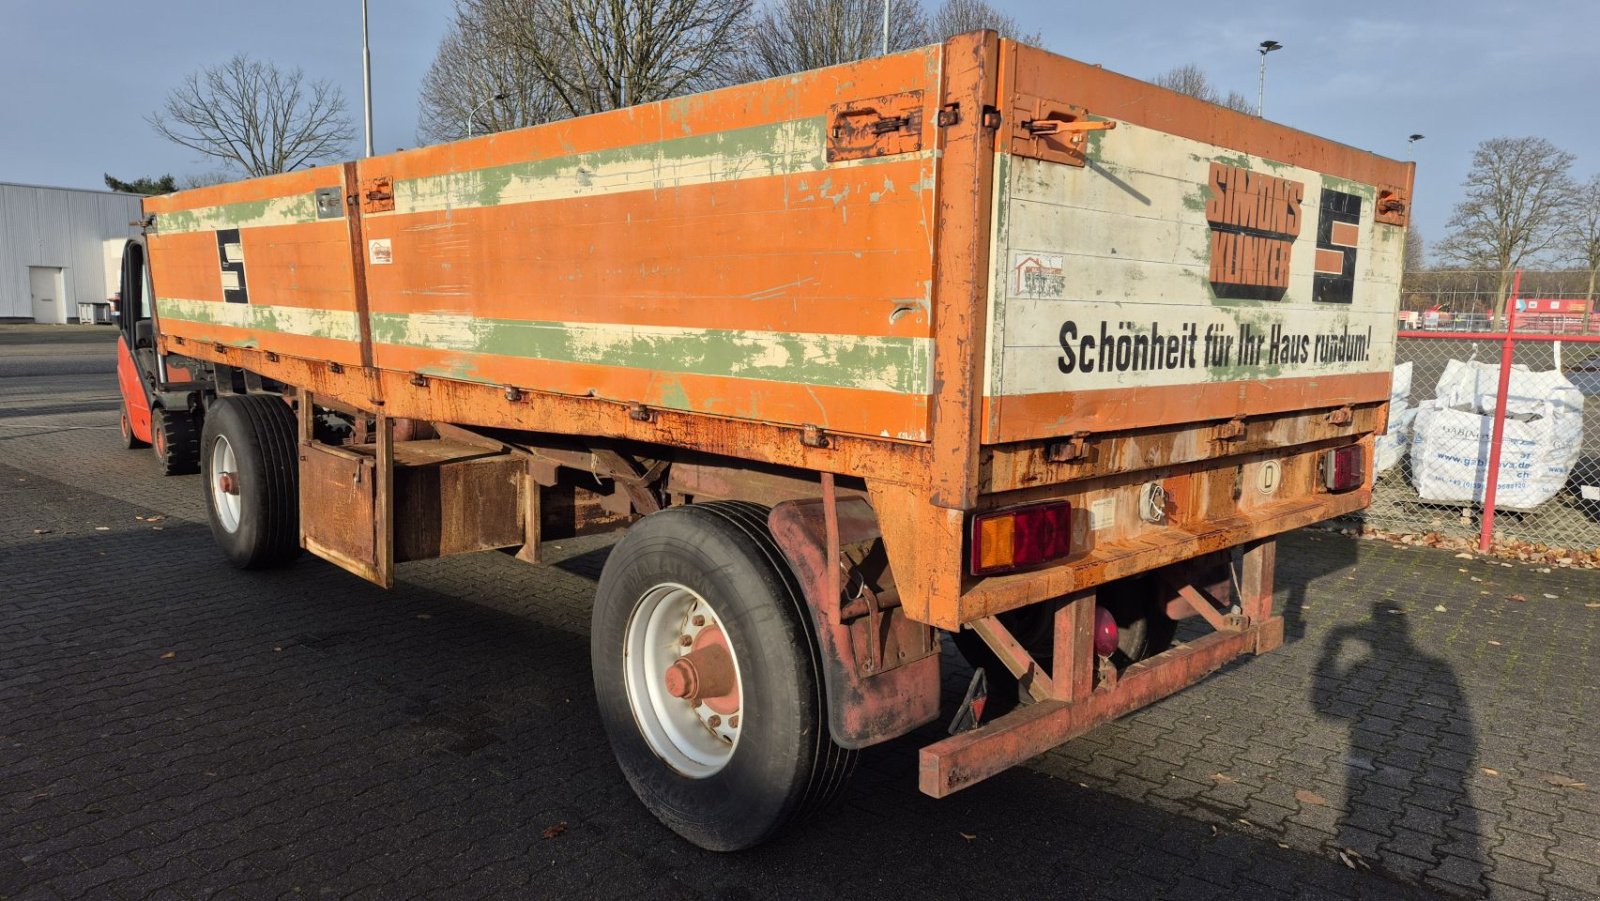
column 225, row 467
column 687, row 734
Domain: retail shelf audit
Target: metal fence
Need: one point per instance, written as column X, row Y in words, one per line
column 1448, row 429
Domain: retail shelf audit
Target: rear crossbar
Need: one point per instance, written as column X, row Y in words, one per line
column 963, row 760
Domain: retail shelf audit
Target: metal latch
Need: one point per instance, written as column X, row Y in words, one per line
column 877, row 126
column 1391, row 206
column 1073, row 450
column 1232, row 430
column 1051, row 130
column 377, row 194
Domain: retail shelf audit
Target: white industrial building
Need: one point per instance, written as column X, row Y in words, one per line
column 60, row 247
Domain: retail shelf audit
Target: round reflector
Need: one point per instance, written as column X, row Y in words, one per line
column 1105, row 632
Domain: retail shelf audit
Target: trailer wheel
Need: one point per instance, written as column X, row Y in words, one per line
column 708, row 677
column 129, row 439
column 252, row 480
column 175, row 438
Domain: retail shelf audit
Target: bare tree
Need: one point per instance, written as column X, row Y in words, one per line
column 962, row 16
column 253, row 115
column 1415, row 251
column 206, row 179
column 1581, row 237
column 794, row 35
column 479, row 82
column 1517, row 192
column 595, row 55
column 1190, row 79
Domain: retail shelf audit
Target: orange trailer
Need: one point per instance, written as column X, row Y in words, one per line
column 972, row 339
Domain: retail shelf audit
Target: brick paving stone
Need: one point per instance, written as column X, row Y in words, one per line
column 312, row 734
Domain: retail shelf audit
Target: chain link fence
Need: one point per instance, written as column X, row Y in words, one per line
column 1433, row 466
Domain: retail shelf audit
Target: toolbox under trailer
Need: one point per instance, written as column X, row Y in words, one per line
column 971, row 338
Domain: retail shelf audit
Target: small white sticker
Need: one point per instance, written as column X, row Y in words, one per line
column 1102, row 514
column 380, row 252
column 1037, row 275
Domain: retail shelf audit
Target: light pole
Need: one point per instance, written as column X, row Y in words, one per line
column 885, row 27
column 366, row 76
column 472, row 117
column 1261, row 91
column 1411, row 143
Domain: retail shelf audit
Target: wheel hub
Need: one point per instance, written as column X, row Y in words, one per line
column 706, row 675
column 224, row 485
column 683, row 682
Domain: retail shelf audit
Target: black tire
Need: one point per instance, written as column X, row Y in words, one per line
column 785, row 764
column 175, row 438
column 130, row 440
column 260, row 431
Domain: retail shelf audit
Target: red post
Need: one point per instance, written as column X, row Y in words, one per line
column 1497, row 436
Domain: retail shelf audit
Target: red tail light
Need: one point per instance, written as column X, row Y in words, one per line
column 1021, row 537
column 1344, row 468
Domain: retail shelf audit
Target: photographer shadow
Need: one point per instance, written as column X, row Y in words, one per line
column 1407, row 808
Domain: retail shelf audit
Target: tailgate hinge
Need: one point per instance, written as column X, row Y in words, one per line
column 1073, row 450
column 1232, row 430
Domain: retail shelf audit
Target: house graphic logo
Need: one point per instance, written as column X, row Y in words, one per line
column 1037, row 275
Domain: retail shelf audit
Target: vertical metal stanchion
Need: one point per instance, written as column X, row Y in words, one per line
column 1498, row 434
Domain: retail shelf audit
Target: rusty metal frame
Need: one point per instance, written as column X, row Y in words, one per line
column 968, row 758
column 873, row 695
column 480, row 406
column 965, row 188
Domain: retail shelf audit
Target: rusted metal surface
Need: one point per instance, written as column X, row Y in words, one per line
column 1257, row 565
column 455, row 500
column 1202, row 605
column 966, row 186
column 702, row 477
column 1029, row 675
column 469, row 404
column 345, row 515
column 875, row 127
column 1073, row 665
column 358, row 270
column 962, row 760
column 881, row 671
column 1022, row 465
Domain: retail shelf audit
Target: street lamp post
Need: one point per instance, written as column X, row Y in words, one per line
column 885, row 27
column 366, row 76
column 472, row 117
column 1261, row 90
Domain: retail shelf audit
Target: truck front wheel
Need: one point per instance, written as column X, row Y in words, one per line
column 252, row 480
column 708, row 679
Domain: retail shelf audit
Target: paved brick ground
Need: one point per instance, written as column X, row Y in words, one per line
column 170, row 728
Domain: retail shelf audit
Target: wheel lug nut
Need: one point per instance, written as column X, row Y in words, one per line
column 715, row 721
column 685, row 640
column 698, row 621
column 734, row 721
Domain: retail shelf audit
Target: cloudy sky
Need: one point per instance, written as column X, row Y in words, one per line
column 79, row 75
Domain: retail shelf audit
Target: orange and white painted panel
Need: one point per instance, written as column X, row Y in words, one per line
column 697, row 254
column 1175, row 277
column 264, row 263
